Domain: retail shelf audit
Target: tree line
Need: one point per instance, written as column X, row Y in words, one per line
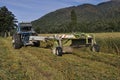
column 7, row 22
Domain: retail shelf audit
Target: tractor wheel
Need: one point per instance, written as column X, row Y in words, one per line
column 59, row 51
column 95, row 48
column 37, row 44
column 17, row 41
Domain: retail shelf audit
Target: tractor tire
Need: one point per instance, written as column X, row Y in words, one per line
column 95, row 48
column 37, row 44
column 17, row 41
column 59, row 51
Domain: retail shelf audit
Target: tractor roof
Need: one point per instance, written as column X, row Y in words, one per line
column 25, row 24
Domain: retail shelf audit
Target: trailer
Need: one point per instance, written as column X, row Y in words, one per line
column 77, row 40
column 25, row 35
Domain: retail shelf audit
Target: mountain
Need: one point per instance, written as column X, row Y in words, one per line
column 90, row 18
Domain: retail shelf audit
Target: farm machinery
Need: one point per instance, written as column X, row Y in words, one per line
column 22, row 34
column 25, row 35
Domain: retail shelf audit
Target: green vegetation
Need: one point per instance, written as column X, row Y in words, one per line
column 109, row 42
column 7, row 22
column 34, row 63
column 73, row 23
column 104, row 17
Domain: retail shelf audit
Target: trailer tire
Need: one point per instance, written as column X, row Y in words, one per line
column 17, row 41
column 59, row 51
column 95, row 48
column 37, row 44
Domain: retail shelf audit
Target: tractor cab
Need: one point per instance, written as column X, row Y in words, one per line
column 25, row 28
column 22, row 35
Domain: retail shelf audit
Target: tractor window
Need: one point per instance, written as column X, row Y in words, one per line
column 27, row 28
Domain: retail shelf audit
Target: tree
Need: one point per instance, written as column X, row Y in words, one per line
column 7, row 21
column 73, row 23
column 37, row 29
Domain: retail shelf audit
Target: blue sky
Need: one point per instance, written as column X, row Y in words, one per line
column 29, row 10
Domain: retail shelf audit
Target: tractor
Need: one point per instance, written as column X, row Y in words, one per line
column 21, row 36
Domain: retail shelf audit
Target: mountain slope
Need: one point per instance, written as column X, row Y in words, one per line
column 90, row 18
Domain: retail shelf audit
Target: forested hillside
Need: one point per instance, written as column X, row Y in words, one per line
column 104, row 17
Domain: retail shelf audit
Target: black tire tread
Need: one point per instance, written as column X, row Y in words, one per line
column 37, row 44
column 18, row 43
column 60, row 51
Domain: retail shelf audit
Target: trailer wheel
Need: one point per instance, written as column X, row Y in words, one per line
column 59, row 51
column 17, row 43
column 37, row 44
column 95, row 48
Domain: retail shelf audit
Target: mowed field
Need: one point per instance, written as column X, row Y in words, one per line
column 35, row 63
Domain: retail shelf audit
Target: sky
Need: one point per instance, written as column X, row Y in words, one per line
column 30, row 10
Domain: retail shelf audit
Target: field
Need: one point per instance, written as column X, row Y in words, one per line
column 34, row 63
column 109, row 42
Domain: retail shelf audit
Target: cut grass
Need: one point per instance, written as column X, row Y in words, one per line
column 32, row 63
column 10, row 67
column 109, row 42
